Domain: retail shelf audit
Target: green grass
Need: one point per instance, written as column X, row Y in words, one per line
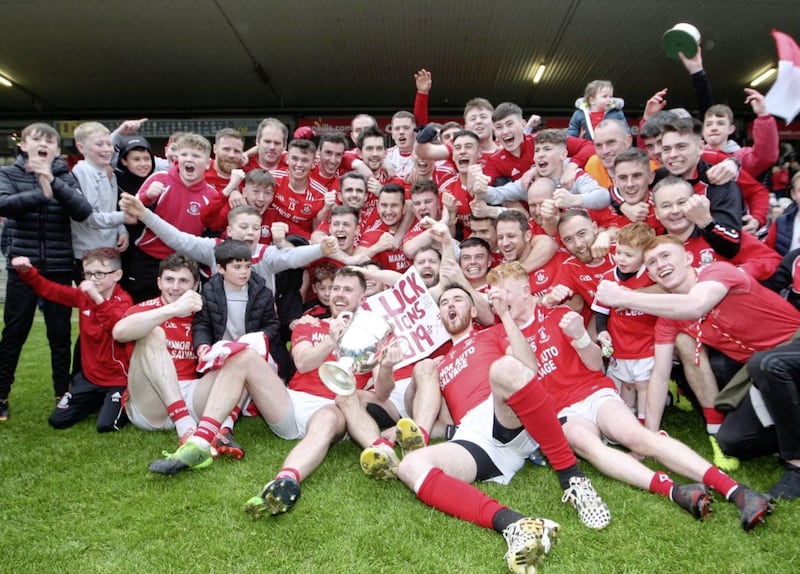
column 78, row 501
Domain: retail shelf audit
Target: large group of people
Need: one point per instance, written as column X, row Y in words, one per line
column 578, row 274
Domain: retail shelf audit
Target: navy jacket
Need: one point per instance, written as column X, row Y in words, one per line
column 38, row 227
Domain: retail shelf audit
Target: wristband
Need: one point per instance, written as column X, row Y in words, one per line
column 582, row 342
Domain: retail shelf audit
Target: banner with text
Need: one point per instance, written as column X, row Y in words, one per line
column 414, row 315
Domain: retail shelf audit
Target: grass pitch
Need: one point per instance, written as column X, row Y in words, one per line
column 78, row 501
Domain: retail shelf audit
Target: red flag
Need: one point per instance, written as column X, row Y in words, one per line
column 783, row 99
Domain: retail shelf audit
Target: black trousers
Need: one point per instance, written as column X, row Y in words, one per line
column 84, row 398
column 742, row 435
column 20, row 308
column 776, row 373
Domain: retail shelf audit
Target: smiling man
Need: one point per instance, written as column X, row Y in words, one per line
column 298, row 199
column 379, row 244
column 228, row 155
column 727, row 310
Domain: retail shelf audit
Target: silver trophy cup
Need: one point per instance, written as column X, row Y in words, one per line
column 358, row 351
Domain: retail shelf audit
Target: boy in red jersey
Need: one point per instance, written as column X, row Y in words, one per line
column 630, row 334
column 98, row 387
column 177, row 196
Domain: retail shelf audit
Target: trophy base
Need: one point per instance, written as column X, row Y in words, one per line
column 337, row 379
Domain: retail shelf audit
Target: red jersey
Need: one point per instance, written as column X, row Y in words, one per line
column 582, row 278
column 543, row 278
column 297, row 209
column 215, row 217
column 329, row 183
column 104, row 361
column 215, row 180
column 310, row 382
column 179, row 339
column 463, row 197
column 610, row 217
column 632, row 332
column 749, row 318
column 464, row 371
column 393, row 259
column 754, row 257
column 252, row 164
column 413, row 231
column 560, row 368
column 504, row 164
column 178, row 205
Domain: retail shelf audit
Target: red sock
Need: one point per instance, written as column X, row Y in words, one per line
column 177, row 410
column 458, row 498
column 714, row 419
column 719, row 481
column 661, row 484
column 426, row 438
column 207, row 429
column 383, row 441
column 235, row 414
column 537, row 411
column 288, row 472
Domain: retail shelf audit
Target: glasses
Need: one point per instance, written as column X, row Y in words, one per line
column 99, row 275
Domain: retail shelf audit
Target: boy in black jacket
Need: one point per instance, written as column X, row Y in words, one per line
column 39, row 196
column 236, row 301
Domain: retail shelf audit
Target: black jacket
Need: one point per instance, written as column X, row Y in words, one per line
column 209, row 323
column 38, row 227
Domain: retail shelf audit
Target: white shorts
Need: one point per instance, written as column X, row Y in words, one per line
column 631, row 370
column 398, row 396
column 476, row 427
column 588, row 407
column 186, row 388
column 304, row 405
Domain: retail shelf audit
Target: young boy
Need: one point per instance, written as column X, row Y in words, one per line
column 99, row 385
column 718, row 126
column 321, row 284
column 177, row 196
column 39, row 196
column 258, row 192
column 630, row 335
column 105, row 226
column 236, row 301
column 597, row 104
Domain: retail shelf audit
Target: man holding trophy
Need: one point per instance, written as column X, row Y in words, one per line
column 307, row 410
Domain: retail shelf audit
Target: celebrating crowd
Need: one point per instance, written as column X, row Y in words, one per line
column 585, row 280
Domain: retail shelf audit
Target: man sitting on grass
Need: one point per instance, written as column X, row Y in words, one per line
column 163, row 389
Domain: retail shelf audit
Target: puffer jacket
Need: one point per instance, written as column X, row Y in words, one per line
column 209, row 323
column 38, row 227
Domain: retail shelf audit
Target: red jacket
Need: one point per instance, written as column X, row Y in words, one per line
column 104, row 362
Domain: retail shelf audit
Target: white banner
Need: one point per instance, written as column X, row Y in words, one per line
column 414, row 315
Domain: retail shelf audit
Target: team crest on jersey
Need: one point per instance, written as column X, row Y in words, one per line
column 265, row 232
column 194, row 208
column 544, row 336
column 306, row 209
column 706, row 256
column 540, row 276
